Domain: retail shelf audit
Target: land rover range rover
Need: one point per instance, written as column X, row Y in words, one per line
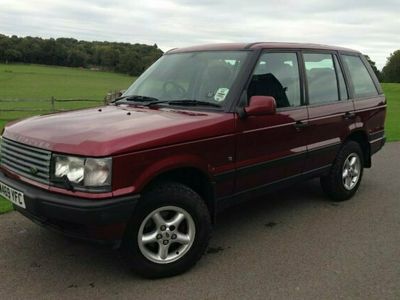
column 202, row 129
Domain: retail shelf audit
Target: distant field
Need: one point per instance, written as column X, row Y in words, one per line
column 392, row 126
column 42, row 82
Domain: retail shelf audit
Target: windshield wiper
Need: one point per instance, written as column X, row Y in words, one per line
column 137, row 98
column 190, row 102
column 149, row 101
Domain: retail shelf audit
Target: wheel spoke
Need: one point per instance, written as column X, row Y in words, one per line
column 353, row 160
column 149, row 237
column 176, row 220
column 154, row 240
column 163, row 251
column 158, row 219
column 182, row 238
column 345, row 173
column 348, row 181
column 355, row 172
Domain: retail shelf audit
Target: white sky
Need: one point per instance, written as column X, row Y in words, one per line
column 370, row 26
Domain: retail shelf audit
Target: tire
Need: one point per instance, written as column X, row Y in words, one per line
column 186, row 242
column 338, row 186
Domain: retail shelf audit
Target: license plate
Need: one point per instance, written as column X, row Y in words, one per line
column 12, row 195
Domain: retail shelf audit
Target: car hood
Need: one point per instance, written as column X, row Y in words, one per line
column 119, row 129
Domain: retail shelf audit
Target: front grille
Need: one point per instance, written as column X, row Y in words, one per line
column 24, row 160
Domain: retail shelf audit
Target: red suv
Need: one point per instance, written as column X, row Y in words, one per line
column 202, row 129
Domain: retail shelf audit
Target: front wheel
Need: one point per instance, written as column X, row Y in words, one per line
column 169, row 231
column 345, row 175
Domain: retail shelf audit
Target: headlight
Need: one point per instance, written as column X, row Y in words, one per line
column 72, row 167
column 83, row 172
column 97, row 172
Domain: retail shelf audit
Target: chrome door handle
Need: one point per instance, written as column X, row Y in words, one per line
column 349, row 115
column 301, row 124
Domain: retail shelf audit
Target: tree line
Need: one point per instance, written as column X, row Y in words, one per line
column 391, row 71
column 127, row 58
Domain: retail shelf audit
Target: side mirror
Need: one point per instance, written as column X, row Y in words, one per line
column 261, row 105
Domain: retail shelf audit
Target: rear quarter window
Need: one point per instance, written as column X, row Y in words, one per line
column 360, row 78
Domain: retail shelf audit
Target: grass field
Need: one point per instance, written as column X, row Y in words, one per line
column 42, row 82
column 392, row 125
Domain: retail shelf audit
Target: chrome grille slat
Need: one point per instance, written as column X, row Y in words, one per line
column 23, row 169
column 24, row 160
column 25, row 152
column 21, row 164
column 46, row 181
column 29, row 148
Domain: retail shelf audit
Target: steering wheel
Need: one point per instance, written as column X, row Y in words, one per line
column 173, row 90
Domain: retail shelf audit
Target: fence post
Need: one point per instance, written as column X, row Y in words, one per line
column 53, row 109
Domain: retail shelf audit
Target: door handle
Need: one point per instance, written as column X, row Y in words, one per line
column 301, row 124
column 349, row 115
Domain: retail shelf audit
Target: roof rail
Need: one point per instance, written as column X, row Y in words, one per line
column 170, row 50
column 248, row 46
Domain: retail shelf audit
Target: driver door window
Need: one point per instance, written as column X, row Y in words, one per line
column 277, row 75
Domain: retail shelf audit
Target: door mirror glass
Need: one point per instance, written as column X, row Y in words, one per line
column 261, row 105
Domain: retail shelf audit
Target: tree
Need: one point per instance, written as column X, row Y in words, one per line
column 12, row 55
column 121, row 57
column 391, row 71
column 374, row 68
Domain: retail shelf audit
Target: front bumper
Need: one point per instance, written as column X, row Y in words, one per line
column 77, row 217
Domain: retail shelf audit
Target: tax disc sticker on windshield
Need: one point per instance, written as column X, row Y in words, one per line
column 221, row 94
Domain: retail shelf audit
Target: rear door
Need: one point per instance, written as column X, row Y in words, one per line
column 368, row 98
column 331, row 113
column 273, row 147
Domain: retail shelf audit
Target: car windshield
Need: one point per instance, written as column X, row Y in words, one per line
column 200, row 78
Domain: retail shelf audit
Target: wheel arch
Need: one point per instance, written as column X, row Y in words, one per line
column 194, row 178
column 361, row 137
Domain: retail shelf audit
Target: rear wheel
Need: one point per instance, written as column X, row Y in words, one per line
column 169, row 231
column 345, row 175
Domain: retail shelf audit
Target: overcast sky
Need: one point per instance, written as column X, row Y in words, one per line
column 371, row 26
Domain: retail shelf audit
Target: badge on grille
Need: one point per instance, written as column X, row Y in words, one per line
column 33, row 170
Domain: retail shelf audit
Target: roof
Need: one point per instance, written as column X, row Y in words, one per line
column 258, row 45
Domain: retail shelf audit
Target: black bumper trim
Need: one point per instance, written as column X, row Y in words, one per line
column 48, row 206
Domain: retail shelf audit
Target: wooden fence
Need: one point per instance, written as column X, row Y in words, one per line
column 52, row 107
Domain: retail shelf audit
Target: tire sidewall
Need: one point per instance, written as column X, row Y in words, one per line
column 348, row 149
column 167, row 195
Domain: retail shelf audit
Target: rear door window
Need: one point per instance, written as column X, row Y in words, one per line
column 321, row 78
column 359, row 76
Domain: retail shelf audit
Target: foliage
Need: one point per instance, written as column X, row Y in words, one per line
column 127, row 58
column 391, row 71
column 374, row 68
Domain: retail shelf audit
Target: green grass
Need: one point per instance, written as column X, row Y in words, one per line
column 392, row 126
column 42, row 82
column 5, row 206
